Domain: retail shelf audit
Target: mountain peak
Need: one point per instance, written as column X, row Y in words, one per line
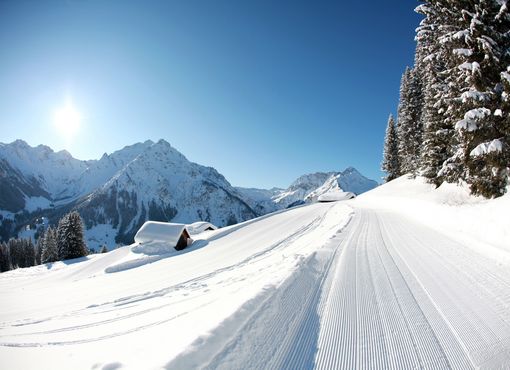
column 350, row 170
column 20, row 144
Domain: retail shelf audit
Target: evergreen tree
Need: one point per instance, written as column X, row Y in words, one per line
column 71, row 242
column 5, row 263
column 438, row 132
column 390, row 163
column 49, row 251
column 39, row 247
column 474, row 48
column 28, row 253
column 104, row 249
column 409, row 129
column 16, row 253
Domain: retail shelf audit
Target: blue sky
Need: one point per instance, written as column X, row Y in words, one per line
column 264, row 91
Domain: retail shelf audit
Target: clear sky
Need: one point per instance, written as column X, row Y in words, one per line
column 262, row 90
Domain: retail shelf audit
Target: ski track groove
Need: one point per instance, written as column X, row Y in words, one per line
column 482, row 332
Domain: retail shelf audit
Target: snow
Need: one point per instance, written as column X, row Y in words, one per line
column 405, row 276
column 199, row 227
column 472, row 67
column 471, row 118
column 485, row 148
column 448, row 208
column 335, row 196
column 164, row 233
column 99, row 235
column 34, row 203
column 506, row 76
column 474, row 95
column 79, row 317
column 463, row 52
column 466, row 124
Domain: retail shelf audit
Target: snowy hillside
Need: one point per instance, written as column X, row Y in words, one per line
column 401, row 277
column 127, row 309
column 449, row 208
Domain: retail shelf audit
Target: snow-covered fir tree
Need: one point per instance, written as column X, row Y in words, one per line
column 39, row 248
column 15, row 253
column 28, row 252
column 5, row 261
column 475, row 47
column 409, row 128
column 49, row 251
column 390, row 163
column 462, row 62
column 71, row 242
column 438, row 133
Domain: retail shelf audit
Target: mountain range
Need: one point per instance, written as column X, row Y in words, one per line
column 116, row 194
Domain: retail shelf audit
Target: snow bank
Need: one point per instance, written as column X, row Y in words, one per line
column 449, row 209
column 200, row 227
column 334, row 196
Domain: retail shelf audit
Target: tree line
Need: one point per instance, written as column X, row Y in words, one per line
column 453, row 121
column 59, row 243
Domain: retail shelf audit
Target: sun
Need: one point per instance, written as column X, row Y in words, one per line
column 67, row 121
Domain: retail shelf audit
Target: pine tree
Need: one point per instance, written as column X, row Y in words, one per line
column 390, row 163
column 438, row 133
column 29, row 252
column 49, row 251
column 409, row 129
column 5, row 263
column 39, row 247
column 71, row 242
column 104, row 249
column 16, row 253
column 473, row 49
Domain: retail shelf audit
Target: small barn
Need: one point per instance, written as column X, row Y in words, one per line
column 175, row 235
column 200, row 227
column 334, row 196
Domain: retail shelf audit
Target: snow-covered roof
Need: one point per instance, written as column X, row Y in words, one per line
column 199, row 227
column 334, row 196
column 164, row 232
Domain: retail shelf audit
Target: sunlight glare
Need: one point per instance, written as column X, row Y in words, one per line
column 67, row 121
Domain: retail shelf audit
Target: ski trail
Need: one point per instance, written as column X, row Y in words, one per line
column 382, row 294
column 404, row 296
column 281, row 325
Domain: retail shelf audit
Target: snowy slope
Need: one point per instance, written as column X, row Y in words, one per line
column 79, row 316
column 395, row 288
column 449, row 208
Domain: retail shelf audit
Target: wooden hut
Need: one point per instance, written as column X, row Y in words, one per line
column 176, row 235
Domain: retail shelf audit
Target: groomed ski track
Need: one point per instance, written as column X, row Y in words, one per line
column 384, row 293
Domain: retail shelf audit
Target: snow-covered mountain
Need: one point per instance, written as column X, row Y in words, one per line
column 121, row 190
column 161, row 184
column 148, row 180
column 308, row 188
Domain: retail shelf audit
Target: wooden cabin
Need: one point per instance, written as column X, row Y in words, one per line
column 200, row 227
column 173, row 234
